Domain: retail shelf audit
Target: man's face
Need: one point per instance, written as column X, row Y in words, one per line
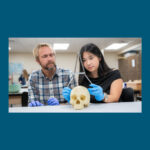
column 46, row 58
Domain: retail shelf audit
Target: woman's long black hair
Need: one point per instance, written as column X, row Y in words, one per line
column 103, row 67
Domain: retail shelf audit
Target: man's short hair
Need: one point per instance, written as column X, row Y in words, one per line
column 36, row 49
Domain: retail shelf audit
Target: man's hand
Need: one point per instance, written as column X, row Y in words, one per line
column 35, row 103
column 53, row 101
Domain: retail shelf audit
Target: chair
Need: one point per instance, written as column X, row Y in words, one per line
column 139, row 98
column 127, row 95
column 25, row 99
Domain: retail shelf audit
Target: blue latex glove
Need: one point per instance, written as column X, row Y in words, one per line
column 53, row 101
column 66, row 93
column 97, row 91
column 35, row 103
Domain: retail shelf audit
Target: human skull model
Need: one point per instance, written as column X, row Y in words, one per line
column 80, row 97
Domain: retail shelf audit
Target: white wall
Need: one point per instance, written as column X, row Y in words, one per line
column 63, row 60
column 111, row 59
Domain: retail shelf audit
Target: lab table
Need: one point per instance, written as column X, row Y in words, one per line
column 15, row 99
column 121, row 107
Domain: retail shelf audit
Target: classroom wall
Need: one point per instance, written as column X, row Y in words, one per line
column 111, row 59
column 63, row 60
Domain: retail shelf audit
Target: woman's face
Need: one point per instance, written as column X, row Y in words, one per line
column 91, row 62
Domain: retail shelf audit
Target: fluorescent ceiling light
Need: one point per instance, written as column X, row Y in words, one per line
column 60, row 46
column 116, row 46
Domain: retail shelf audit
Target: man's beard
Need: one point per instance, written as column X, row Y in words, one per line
column 49, row 68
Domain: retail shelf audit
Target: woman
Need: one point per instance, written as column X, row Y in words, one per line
column 104, row 79
column 106, row 82
column 24, row 77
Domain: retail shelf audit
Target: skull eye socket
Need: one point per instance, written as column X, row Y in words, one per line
column 73, row 97
column 82, row 97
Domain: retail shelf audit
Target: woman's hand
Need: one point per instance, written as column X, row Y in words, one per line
column 66, row 93
column 97, row 91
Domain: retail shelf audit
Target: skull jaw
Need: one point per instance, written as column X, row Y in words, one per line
column 78, row 106
column 86, row 105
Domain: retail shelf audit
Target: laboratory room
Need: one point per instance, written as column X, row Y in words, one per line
column 75, row 75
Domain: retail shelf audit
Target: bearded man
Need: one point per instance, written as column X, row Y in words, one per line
column 50, row 80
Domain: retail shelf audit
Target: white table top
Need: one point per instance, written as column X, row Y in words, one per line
column 122, row 107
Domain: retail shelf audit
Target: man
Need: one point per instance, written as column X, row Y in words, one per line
column 50, row 80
